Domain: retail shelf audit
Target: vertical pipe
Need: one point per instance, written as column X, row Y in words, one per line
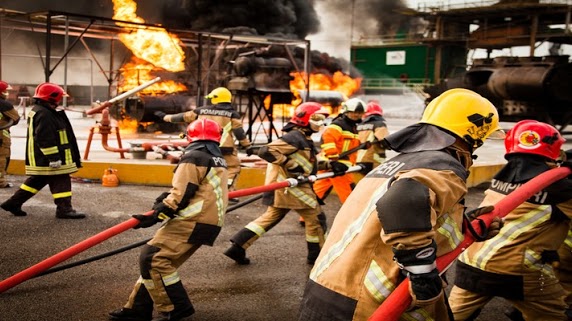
column 110, row 77
column 90, row 81
column 66, row 44
column 568, row 18
column 48, row 47
column 438, row 51
column 307, row 69
column 533, row 31
column 199, row 71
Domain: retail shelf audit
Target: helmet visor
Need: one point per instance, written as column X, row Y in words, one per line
column 317, row 121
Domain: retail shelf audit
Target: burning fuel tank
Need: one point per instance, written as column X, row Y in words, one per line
column 520, row 87
column 142, row 108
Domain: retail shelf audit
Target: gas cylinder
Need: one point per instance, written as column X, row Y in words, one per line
column 110, row 178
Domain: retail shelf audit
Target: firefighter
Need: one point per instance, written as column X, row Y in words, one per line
column 517, row 264
column 338, row 137
column 8, row 117
column 372, row 129
column 220, row 110
column 288, row 157
column 194, row 212
column 52, row 154
column 401, row 216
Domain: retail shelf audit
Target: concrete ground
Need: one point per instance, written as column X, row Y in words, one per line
column 268, row 289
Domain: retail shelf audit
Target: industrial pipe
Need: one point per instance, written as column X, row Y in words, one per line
column 126, row 94
column 399, row 300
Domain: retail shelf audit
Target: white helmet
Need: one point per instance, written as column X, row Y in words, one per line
column 353, row 104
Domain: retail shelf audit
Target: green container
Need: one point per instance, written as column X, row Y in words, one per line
column 398, row 65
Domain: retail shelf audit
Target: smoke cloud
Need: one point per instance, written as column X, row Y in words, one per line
column 386, row 17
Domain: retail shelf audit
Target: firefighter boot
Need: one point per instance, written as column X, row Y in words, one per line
column 141, row 308
column 313, row 252
column 238, row 254
column 65, row 210
column 14, row 203
column 514, row 314
column 180, row 299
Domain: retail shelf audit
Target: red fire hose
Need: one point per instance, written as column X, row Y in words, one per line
column 132, row 222
column 399, row 300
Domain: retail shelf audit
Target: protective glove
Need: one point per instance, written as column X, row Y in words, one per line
column 491, row 231
column 160, row 212
column 159, row 114
column 294, row 168
column 419, row 266
column 250, row 151
column 366, row 167
column 338, row 168
column 56, row 164
column 160, row 198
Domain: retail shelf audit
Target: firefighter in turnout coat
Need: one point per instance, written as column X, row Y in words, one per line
column 194, row 211
column 228, row 118
column 8, row 117
column 338, row 137
column 372, row 129
column 401, row 216
column 52, row 154
column 517, row 264
column 289, row 157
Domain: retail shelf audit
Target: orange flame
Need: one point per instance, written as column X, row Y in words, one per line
column 137, row 72
column 154, row 45
column 339, row 82
column 154, row 49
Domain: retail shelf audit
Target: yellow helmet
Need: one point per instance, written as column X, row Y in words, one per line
column 219, row 95
column 464, row 113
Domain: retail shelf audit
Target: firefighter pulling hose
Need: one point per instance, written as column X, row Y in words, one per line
column 62, row 256
column 400, row 299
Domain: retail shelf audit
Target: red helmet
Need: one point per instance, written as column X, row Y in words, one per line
column 204, row 129
column 534, row 137
column 49, row 92
column 4, row 86
column 303, row 113
column 373, row 108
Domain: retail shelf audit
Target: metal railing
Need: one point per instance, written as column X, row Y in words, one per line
column 430, row 6
column 393, row 83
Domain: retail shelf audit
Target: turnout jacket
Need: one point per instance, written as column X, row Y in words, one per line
column 338, row 137
column 199, row 196
column 7, row 113
column 372, row 129
column 294, row 149
column 355, row 271
column 516, row 264
column 50, row 138
column 226, row 116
